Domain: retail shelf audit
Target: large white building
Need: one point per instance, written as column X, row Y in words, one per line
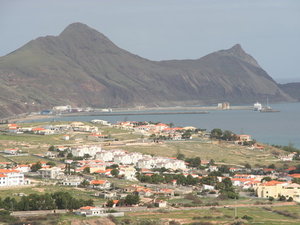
column 82, row 150
column 52, row 173
column 106, row 156
column 10, row 177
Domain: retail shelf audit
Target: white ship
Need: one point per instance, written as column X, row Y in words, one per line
column 257, row 106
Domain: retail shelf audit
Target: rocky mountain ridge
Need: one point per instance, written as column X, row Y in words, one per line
column 82, row 67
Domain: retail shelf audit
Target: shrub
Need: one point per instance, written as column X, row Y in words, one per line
column 246, row 217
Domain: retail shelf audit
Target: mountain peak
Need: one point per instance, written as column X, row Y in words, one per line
column 236, row 48
column 80, row 29
column 239, row 52
column 76, row 26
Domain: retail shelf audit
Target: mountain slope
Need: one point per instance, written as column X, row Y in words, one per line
column 82, row 67
column 293, row 89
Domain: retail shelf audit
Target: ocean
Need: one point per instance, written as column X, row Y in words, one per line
column 280, row 128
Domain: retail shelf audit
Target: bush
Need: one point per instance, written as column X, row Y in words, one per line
column 245, row 217
column 5, row 217
column 173, row 222
column 282, row 198
column 271, row 199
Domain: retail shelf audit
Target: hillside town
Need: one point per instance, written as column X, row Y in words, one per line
column 120, row 178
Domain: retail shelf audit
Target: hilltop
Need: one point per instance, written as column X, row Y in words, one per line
column 82, row 67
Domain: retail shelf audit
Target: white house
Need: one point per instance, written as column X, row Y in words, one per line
column 11, row 151
column 11, row 177
column 146, row 162
column 23, row 168
column 106, row 156
column 208, row 187
column 82, row 150
column 72, row 181
column 52, row 173
column 128, row 172
column 100, row 184
column 91, row 211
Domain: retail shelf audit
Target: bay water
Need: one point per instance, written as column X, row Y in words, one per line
column 281, row 128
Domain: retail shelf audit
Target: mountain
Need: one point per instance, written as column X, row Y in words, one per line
column 293, row 89
column 82, row 67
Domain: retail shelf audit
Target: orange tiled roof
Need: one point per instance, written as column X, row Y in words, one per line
column 272, row 183
column 9, row 171
column 87, row 207
column 295, row 175
column 98, row 181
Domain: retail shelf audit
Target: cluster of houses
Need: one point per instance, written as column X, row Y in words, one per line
column 98, row 165
column 119, row 156
column 52, row 129
column 159, row 129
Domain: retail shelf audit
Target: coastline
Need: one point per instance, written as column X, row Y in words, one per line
column 130, row 111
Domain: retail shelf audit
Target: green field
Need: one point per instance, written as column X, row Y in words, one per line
column 224, row 153
column 41, row 189
column 219, row 216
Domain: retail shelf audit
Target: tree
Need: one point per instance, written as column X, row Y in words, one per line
column 87, row 170
column 267, row 179
column 51, row 148
column 224, row 169
column 228, row 136
column 212, row 162
column 132, row 199
column 186, row 135
column 115, row 172
column 296, row 180
column 61, row 154
column 85, row 183
column 180, row 156
column 282, row 198
column 247, row 166
column 110, row 203
column 113, row 166
column 70, row 155
column 87, row 156
column 51, row 163
column 216, row 133
column 272, row 166
column 194, row 162
column 35, row 167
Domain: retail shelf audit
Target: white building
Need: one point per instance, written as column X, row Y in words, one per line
column 100, row 184
column 72, row 181
column 23, row 168
column 81, row 151
column 52, row 173
column 62, row 108
column 10, row 177
column 128, row 172
column 11, row 151
column 101, row 122
column 91, row 211
column 106, row 156
column 147, row 163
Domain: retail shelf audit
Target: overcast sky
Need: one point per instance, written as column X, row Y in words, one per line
column 269, row 30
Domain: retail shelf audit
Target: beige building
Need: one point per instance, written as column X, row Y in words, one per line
column 52, row 173
column 276, row 189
